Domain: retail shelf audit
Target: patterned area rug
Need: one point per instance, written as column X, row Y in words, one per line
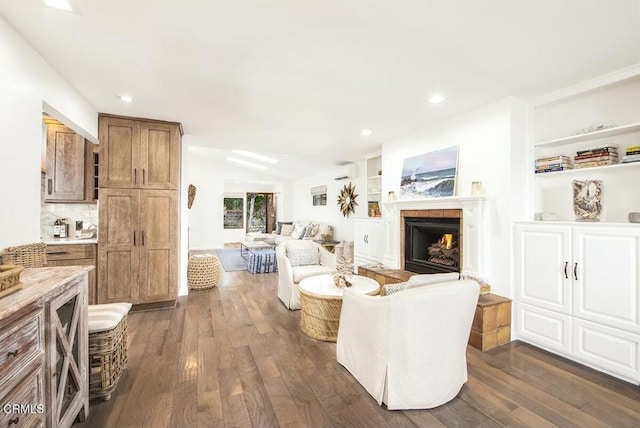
column 231, row 259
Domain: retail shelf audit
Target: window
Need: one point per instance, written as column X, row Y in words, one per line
column 319, row 195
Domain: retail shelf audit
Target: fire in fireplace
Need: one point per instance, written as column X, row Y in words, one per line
column 432, row 244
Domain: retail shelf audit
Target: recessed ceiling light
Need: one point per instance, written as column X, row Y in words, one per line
column 246, row 163
column 366, row 132
column 436, row 99
column 255, row 156
column 60, row 4
column 126, row 98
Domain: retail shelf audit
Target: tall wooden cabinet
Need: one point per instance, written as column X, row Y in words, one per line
column 139, row 216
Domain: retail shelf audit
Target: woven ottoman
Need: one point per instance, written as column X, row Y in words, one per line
column 107, row 347
column 203, row 271
column 262, row 261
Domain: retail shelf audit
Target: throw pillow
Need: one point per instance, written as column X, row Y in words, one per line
column 431, row 278
column 287, row 229
column 303, row 256
column 279, row 226
column 298, row 232
column 311, row 231
column 388, row 289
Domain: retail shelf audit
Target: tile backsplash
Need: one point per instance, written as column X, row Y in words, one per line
column 49, row 212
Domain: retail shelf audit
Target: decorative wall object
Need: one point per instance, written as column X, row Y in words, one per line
column 233, row 213
column 347, row 199
column 191, row 195
column 587, row 199
column 430, row 175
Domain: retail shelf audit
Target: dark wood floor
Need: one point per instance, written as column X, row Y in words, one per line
column 233, row 356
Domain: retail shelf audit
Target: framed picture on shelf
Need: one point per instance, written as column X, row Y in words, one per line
column 373, row 209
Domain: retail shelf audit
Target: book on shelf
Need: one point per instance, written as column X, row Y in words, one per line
column 596, row 152
column 633, row 148
column 631, row 158
column 595, row 158
column 595, row 163
column 553, row 159
column 632, row 152
column 555, row 165
column 600, row 148
column 554, row 169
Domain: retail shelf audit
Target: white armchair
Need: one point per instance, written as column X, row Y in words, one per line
column 408, row 349
column 290, row 274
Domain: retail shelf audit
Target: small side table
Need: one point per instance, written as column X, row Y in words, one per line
column 492, row 322
column 329, row 245
column 203, row 271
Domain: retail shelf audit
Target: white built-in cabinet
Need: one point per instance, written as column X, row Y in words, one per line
column 578, row 293
column 367, row 247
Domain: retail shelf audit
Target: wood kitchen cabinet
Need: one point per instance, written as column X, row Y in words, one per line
column 76, row 255
column 138, row 236
column 138, row 153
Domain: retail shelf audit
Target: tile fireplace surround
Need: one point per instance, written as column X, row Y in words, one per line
column 475, row 229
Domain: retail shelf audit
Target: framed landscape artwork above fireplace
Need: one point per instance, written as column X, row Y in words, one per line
column 430, row 175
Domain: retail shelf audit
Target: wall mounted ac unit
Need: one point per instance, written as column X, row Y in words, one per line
column 349, row 170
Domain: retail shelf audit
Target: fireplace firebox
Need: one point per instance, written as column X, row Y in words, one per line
column 432, row 245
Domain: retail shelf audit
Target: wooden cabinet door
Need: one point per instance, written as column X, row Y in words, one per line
column 374, row 238
column 605, row 270
column 159, row 254
column 543, row 266
column 118, row 246
column 159, row 156
column 65, row 179
column 119, row 153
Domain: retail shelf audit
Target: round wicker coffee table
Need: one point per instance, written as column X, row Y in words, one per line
column 321, row 303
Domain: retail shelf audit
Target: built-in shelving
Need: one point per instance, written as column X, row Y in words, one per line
column 612, row 98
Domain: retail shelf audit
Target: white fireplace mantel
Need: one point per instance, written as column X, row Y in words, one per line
column 476, row 229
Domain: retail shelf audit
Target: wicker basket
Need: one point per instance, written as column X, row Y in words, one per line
column 29, row 255
column 107, row 359
column 203, row 271
column 10, row 279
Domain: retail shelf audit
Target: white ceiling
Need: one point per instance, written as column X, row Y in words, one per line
column 304, row 77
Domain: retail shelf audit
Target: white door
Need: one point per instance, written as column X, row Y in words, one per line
column 373, row 239
column 360, row 248
column 605, row 272
column 542, row 266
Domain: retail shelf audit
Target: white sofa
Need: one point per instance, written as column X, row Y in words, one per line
column 408, row 349
column 289, row 276
column 276, row 239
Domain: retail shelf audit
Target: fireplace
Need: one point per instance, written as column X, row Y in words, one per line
column 432, row 244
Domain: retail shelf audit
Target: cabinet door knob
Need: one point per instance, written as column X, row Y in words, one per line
column 142, row 237
column 49, row 186
column 143, row 177
column 134, row 238
column 135, row 175
column 575, row 271
column 13, row 353
column 566, row 264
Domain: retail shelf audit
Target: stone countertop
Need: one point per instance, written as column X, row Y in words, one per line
column 38, row 284
column 69, row 241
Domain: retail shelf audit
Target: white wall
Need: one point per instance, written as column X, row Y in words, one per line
column 212, row 180
column 298, row 196
column 27, row 82
column 489, row 138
